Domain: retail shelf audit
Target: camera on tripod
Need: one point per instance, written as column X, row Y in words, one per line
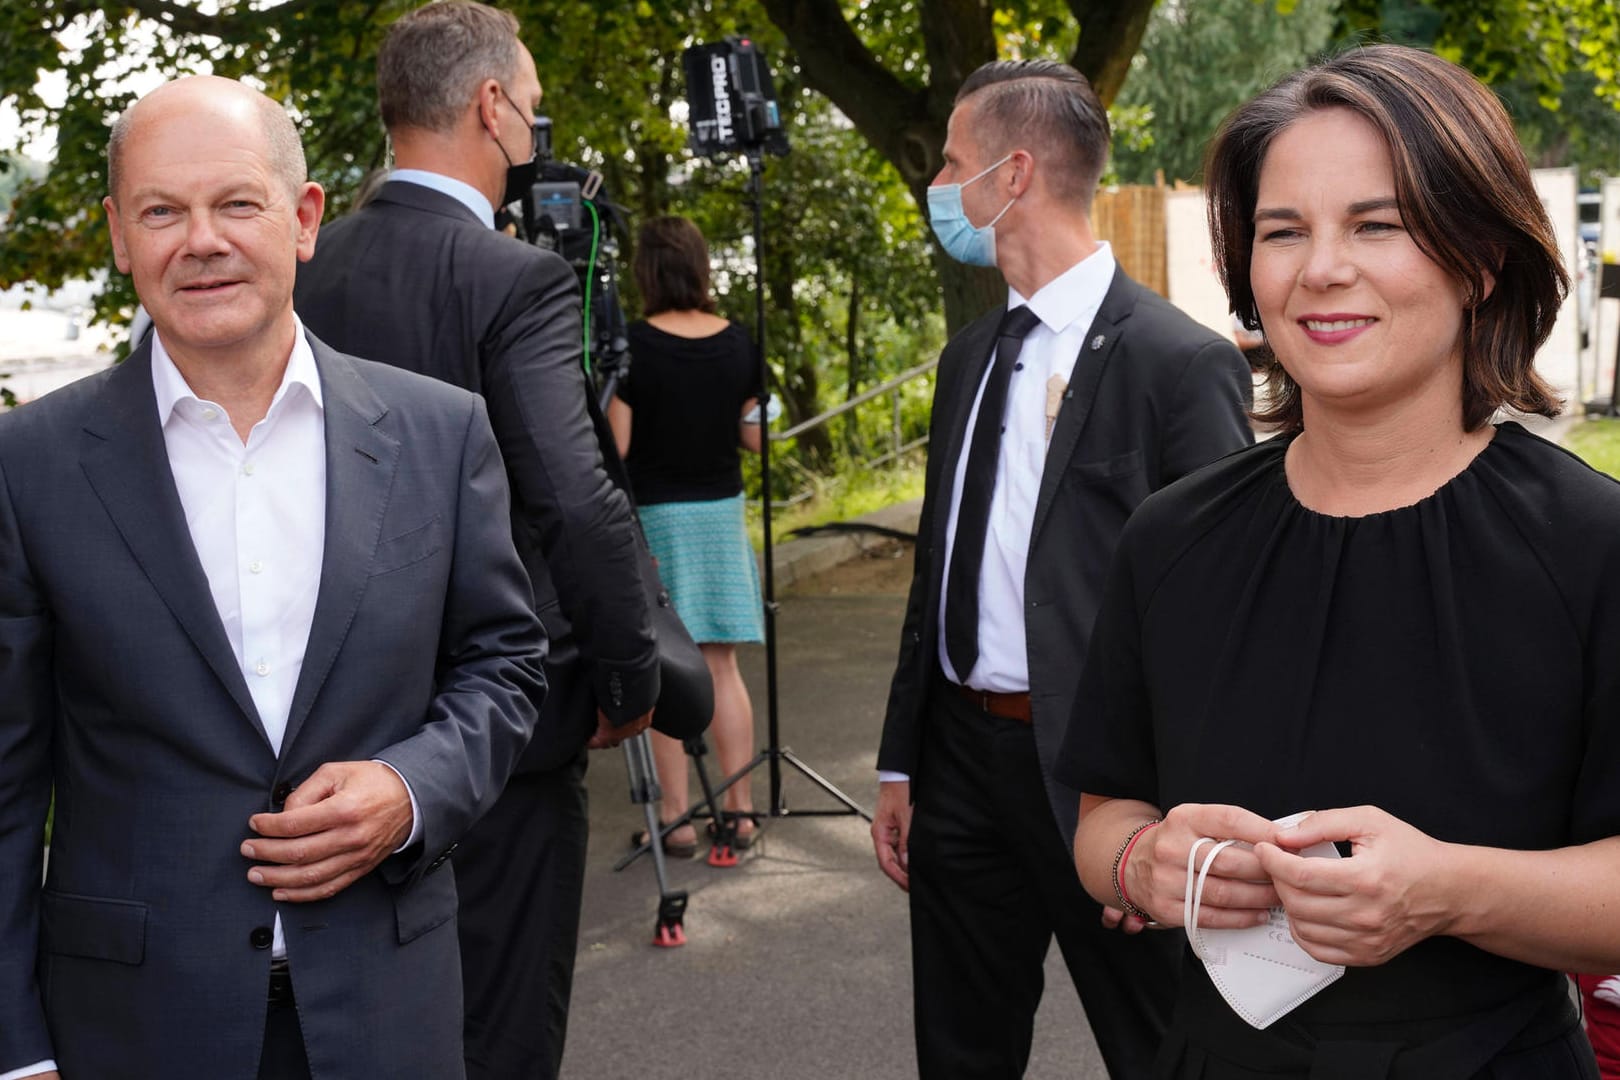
column 565, row 210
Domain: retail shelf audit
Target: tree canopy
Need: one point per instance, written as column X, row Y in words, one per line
column 866, row 88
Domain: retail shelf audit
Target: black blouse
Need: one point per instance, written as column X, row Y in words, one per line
column 1455, row 663
column 686, row 396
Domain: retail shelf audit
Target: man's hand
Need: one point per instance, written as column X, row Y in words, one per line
column 334, row 829
column 608, row 735
column 891, row 831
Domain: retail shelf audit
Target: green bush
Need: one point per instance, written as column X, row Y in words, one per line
column 1598, row 444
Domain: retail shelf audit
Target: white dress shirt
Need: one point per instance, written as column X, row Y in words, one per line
column 257, row 515
column 1067, row 305
column 463, row 193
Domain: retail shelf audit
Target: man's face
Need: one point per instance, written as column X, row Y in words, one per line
column 210, row 232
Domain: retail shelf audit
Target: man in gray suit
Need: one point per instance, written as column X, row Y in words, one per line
column 264, row 631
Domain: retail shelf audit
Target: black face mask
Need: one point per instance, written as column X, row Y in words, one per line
column 520, row 179
column 520, row 176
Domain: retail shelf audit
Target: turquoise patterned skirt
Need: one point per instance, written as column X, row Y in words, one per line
column 708, row 567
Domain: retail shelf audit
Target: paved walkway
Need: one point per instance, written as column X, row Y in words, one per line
column 798, row 960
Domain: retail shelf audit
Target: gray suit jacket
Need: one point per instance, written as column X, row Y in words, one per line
column 1153, row 396
column 146, row 953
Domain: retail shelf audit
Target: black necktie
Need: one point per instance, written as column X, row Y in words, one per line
column 979, row 483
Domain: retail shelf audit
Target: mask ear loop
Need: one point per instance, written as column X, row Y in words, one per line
column 1194, row 898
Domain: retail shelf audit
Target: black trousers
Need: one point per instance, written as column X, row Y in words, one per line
column 283, row 1056
column 991, row 884
column 520, row 875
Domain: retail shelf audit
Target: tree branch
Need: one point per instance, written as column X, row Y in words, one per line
column 1110, row 33
column 839, row 65
column 225, row 26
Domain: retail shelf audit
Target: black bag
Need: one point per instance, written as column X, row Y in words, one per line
column 685, row 690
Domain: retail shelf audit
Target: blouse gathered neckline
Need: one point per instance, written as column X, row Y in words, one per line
column 1463, row 476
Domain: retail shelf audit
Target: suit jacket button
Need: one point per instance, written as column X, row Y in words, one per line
column 261, row 937
column 279, row 796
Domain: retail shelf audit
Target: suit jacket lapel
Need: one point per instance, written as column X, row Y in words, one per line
column 972, row 357
column 360, row 463
column 1095, row 352
column 126, row 463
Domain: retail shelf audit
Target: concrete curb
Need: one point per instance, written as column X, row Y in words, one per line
column 796, row 560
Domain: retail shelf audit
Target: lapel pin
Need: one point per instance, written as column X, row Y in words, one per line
column 1097, row 342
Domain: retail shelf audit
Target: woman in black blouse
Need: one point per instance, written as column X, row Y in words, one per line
column 1395, row 614
column 689, row 405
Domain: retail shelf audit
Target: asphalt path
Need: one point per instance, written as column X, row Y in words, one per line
column 798, row 960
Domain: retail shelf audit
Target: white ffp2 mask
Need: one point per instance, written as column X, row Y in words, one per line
column 1261, row 971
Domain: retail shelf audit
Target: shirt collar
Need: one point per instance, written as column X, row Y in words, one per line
column 170, row 387
column 1073, row 293
column 463, row 193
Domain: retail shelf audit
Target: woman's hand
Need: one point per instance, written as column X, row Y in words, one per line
column 1361, row 911
column 1236, row 892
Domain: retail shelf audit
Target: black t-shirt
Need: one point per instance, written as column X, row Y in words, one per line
column 1453, row 662
column 687, row 396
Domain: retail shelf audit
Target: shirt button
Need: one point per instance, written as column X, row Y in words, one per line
column 261, row 937
column 262, row 668
column 247, row 470
column 209, row 414
column 255, row 566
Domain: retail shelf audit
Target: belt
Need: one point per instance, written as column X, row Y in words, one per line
column 1006, row 706
column 281, row 990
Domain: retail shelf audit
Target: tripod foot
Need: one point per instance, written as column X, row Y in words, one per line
column 723, row 855
column 670, row 932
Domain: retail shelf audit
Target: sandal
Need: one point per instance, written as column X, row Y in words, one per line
column 675, row 849
column 742, row 841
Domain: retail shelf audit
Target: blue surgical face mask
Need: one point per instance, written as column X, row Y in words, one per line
column 961, row 239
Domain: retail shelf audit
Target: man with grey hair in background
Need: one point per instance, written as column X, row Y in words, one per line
column 265, row 637
column 1054, row 416
column 419, row 278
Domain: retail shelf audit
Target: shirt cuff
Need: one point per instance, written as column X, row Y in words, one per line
column 39, row 1067
column 416, row 821
column 885, row 776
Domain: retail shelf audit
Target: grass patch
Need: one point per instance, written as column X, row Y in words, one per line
column 841, row 498
column 1597, row 442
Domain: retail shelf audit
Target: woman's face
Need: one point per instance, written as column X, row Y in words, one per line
column 1359, row 317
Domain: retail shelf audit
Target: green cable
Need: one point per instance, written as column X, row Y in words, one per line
column 590, row 278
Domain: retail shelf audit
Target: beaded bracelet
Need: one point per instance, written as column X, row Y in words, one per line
column 1116, row 873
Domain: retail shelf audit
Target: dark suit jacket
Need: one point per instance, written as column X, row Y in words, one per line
column 414, row 279
column 119, row 688
column 1161, row 396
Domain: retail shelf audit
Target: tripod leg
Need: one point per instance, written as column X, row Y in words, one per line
column 670, row 930
column 722, row 824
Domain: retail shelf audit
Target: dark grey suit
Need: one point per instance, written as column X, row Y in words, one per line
column 120, row 689
column 1153, row 396
column 415, row 279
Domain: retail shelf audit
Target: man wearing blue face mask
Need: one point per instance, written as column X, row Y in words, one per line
column 1054, row 416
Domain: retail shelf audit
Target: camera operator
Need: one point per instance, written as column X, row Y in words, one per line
column 421, row 279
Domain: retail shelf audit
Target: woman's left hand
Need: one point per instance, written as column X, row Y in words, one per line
column 1364, row 910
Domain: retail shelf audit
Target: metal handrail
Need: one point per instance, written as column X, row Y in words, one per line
column 862, row 398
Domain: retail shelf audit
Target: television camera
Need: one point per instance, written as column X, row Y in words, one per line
column 566, row 210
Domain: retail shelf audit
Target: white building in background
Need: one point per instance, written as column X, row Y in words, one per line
column 46, row 340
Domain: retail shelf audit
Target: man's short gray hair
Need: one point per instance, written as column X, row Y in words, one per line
column 433, row 59
column 286, row 150
column 1047, row 108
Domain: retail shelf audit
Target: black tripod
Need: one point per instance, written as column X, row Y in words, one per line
column 774, row 753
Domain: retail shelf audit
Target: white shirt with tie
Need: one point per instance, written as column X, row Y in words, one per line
column 1066, row 306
